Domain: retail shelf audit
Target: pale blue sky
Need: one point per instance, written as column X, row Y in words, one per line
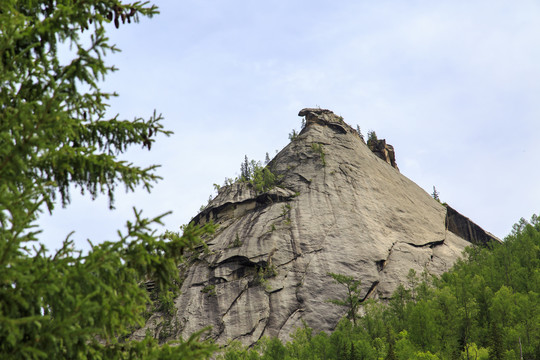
column 453, row 85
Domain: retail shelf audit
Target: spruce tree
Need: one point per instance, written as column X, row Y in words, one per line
column 54, row 137
column 372, row 137
column 245, row 173
column 435, row 194
column 496, row 349
column 359, row 131
column 391, row 354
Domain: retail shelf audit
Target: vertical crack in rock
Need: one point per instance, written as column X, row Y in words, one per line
column 268, row 318
column 370, row 291
column 381, row 264
column 293, row 313
column 235, row 300
column 251, row 222
column 221, row 326
column 294, row 248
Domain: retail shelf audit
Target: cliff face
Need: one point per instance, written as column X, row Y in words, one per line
column 338, row 208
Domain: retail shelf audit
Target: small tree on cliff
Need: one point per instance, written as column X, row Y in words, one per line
column 435, row 194
column 359, row 131
column 372, row 138
column 353, row 300
column 245, row 172
column 54, row 135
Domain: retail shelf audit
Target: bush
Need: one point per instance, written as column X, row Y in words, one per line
column 261, row 177
column 318, row 148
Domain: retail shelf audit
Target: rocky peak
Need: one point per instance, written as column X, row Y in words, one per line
column 327, row 118
column 337, row 207
column 384, row 151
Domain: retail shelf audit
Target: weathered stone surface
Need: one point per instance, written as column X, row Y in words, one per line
column 384, row 151
column 338, row 208
column 465, row 228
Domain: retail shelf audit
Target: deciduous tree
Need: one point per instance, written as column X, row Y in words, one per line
column 353, row 299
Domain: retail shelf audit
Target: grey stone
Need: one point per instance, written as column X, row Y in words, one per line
column 338, row 208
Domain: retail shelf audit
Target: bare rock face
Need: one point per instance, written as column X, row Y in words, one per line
column 338, row 208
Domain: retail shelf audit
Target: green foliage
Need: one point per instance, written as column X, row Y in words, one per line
column 235, row 351
column 475, row 353
column 229, row 181
column 266, row 159
column 286, row 211
column 359, row 132
column 165, row 303
column 391, row 354
column 60, row 305
column 51, row 131
column 435, row 194
column 372, row 137
column 293, row 135
column 54, row 137
column 263, row 273
column 353, row 299
column 261, row 177
column 209, row 289
column 318, row 148
column 237, row 242
column 245, row 171
column 272, row 349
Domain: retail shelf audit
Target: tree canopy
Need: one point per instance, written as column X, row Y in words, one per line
column 55, row 136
